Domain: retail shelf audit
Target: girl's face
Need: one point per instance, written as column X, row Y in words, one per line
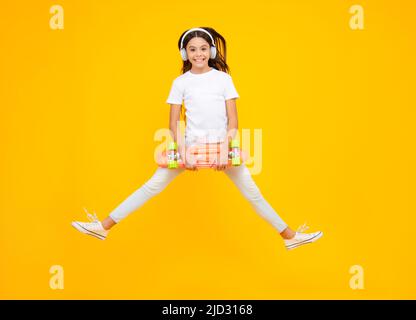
column 198, row 51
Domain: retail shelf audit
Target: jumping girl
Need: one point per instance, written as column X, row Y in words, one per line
column 209, row 97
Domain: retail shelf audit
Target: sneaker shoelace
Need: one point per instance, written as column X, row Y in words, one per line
column 302, row 228
column 92, row 217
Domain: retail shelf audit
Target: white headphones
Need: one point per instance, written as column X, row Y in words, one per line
column 183, row 50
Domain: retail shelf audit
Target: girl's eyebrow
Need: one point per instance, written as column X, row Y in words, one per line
column 204, row 45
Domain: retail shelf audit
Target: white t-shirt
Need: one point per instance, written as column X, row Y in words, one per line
column 204, row 96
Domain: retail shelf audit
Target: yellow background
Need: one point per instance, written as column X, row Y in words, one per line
column 80, row 106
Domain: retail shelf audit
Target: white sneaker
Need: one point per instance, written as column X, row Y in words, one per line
column 302, row 238
column 93, row 228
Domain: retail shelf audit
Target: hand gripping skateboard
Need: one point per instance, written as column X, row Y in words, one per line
column 201, row 155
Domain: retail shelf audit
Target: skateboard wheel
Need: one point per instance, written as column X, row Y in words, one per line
column 172, row 156
column 235, row 152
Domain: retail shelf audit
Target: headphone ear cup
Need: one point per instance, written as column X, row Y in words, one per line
column 213, row 52
column 183, row 54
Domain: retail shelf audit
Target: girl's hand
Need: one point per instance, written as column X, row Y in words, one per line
column 222, row 160
column 188, row 165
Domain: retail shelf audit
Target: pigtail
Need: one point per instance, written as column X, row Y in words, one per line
column 219, row 62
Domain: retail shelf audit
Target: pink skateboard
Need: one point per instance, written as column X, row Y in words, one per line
column 202, row 155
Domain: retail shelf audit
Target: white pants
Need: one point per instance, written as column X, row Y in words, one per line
column 162, row 177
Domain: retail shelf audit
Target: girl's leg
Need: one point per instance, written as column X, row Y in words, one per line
column 160, row 179
column 242, row 179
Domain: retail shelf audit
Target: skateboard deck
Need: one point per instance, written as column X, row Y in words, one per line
column 202, row 155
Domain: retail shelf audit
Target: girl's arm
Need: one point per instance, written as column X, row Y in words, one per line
column 174, row 117
column 175, row 114
column 232, row 129
column 232, row 119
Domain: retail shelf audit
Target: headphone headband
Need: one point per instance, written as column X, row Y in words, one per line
column 197, row 29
